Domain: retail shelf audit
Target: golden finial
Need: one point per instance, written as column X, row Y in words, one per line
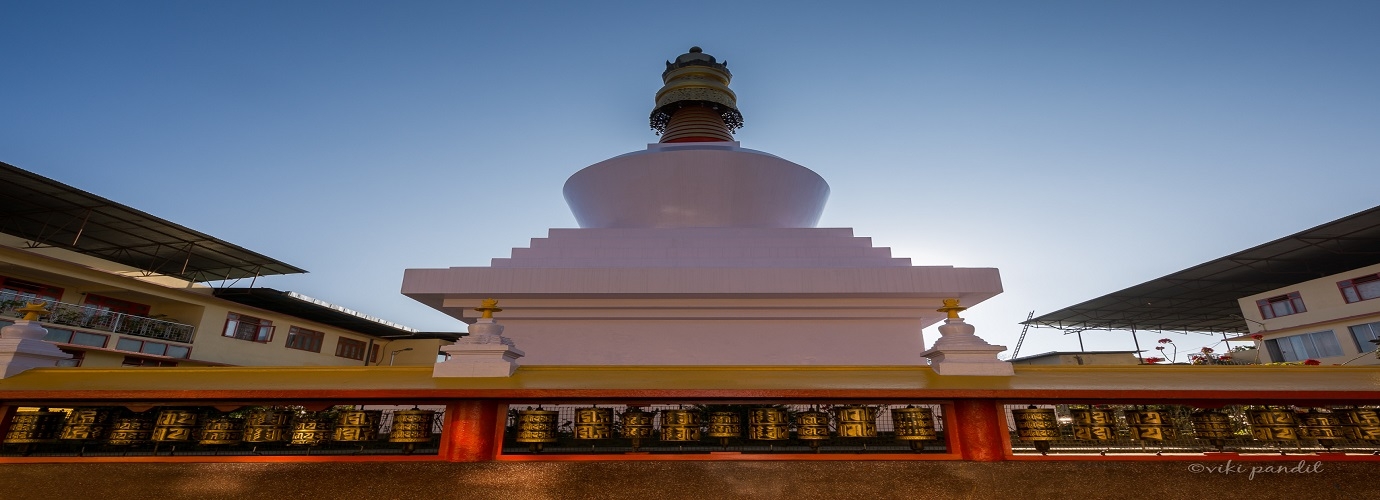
column 488, row 307
column 33, row 310
column 951, row 307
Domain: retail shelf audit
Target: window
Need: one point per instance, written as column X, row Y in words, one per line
column 62, row 336
column 350, row 348
column 374, row 354
column 103, row 303
column 77, row 358
column 248, row 328
column 1364, row 334
column 1359, row 289
column 304, row 339
column 128, row 344
column 1306, row 346
column 133, row 361
column 1282, row 305
column 23, row 291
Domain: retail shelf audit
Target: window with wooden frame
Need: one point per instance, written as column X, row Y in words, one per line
column 304, row 339
column 1303, row 347
column 103, row 303
column 1359, row 289
column 23, row 291
column 1282, row 305
column 351, row 348
column 248, row 328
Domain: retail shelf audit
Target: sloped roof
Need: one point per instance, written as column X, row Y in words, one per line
column 1203, row 298
column 50, row 213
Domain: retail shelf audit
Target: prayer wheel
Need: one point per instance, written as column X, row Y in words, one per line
column 130, row 429
column 637, row 425
column 1040, row 426
column 535, row 427
column 768, row 424
column 1150, row 425
column 266, row 425
column 680, row 426
column 1093, row 424
column 221, row 431
column 356, row 426
column 593, row 423
column 812, row 427
column 34, row 427
column 86, row 424
column 725, row 425
column 1362, row 424
column 1213, row 427
column 1325, row 427
column 856, row 421
column 310, row 429
column 1273, row 424
column 175, row 426
column 914, row 425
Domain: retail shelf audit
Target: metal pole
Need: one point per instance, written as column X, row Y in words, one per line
column 1137, row 341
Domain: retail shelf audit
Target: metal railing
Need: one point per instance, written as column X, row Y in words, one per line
column 62, row 313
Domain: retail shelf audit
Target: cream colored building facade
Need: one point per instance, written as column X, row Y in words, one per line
column 109, row 315
column 1330, row 319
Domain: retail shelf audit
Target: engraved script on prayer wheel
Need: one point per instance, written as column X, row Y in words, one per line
column 1150, row 425
column 768, row 424
column 32, row 427
column 1093, row 424
column 1213, row 427
column 593, row 423
column 266, row 425
column 812, row 427
column 536, row 427
column 914, row 425
column 222, row 430
column 130, row 429
column 310, row 430
column 175, row 426
column 856, row 421
column 680, row 426
column 1362, row 424
column 1273, row 424
column 637, row 425
column 1325, row 427
column 354, row 426
column 725, row 425
column 1038, row 425
column 86, row 424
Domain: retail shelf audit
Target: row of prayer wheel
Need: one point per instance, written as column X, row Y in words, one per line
column 115, row 426
column 538, row 427
column 1040, row 425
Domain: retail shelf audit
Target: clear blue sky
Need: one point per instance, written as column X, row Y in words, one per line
column 1080, row 147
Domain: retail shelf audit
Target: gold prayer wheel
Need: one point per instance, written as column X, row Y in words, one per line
column 536, row 427
column 86, row 424
column 1273, row 424
column 222, row 430
column 1150, row 425
column 310, row 430
column 354, row 426
column 680, row 426
column 856, row 421
column 413, row 426
column 812, row 427
column 1326, row 428
column 1093, row 424
column 593, row 423
column 1213, row 427
column 637, row 425
column 1362, row 424
column 266, row 425
column 725, row 425
column 768, row 424
column 130, row 429
column 174, row 426
column 32, row 427
column 914, row 425
column 1037, row 425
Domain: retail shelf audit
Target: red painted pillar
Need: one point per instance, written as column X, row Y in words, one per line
column 471, row 431
column 978, row 423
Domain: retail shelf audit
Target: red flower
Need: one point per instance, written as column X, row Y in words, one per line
column 1312, row 362
column 1207, row 350
column 1160, row 348
column 1152, row 361
column 1166, row 341
column 1257, row 336
column 1224, row 357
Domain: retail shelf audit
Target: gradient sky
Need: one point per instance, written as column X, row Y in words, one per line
column 1080, row 147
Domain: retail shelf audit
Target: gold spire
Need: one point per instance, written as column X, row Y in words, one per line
column 488, row 307
column 33, row 310
column 696, row 80
column 951, row 307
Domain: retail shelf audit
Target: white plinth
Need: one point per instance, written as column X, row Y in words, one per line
column 707, row 296
column 22, row 348
column 959, row 352
column 483, row 353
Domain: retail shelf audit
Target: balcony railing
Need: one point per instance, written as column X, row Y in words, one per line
column 62, row 313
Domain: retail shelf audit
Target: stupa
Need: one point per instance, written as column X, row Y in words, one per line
column 697, row 251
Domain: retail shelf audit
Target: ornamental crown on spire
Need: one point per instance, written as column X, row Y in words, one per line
column 696, row 88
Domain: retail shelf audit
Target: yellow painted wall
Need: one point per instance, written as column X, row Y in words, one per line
column 1326, row 310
